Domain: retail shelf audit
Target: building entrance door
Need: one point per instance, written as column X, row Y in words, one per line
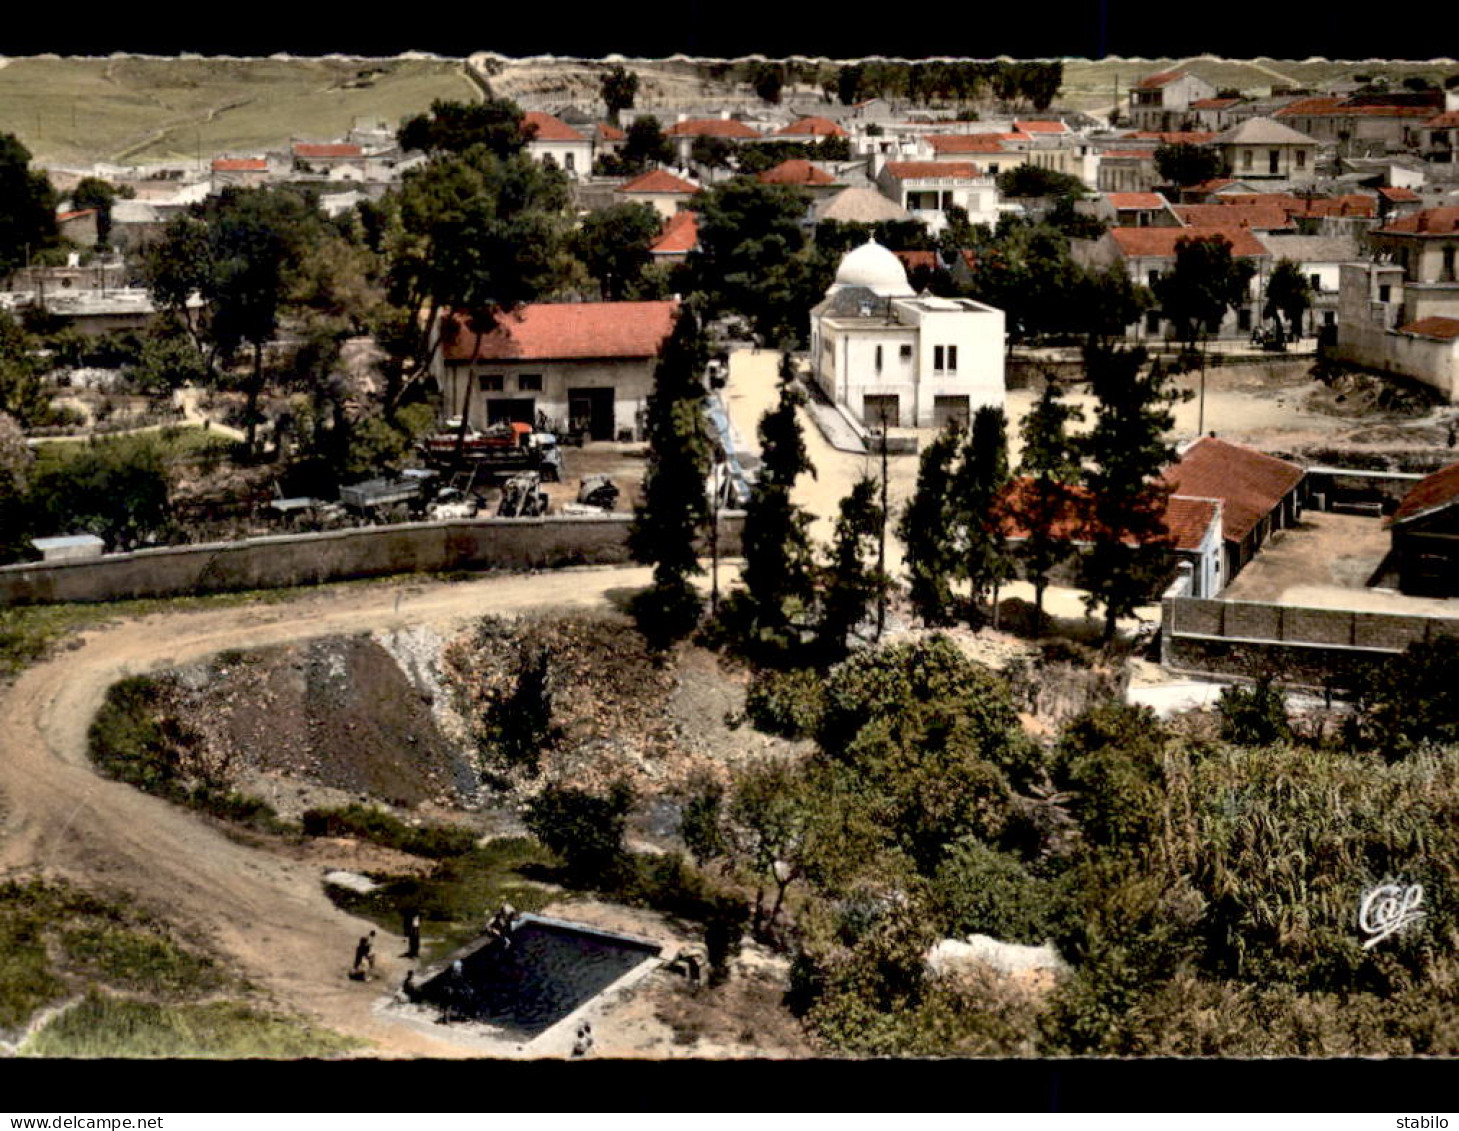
column 591, row 411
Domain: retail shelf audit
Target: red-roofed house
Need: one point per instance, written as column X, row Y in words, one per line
column 79, row 226
column 810, row 129
column 1193, row 525
column 926, row 189
column 328, row 157
column 1257, row 217
column 679, row 237
column 553, row 138
column 586, row 364
column 1040, row 127
column 659, row 188
column 1127, row 169
column 1425, row 530
column 1147, row 253
column 802, row 174
column 1213, row 113
column 1135, row 210
column 685, row 132
column 242, row 171
column 1163, row 101
column 1259, row 494
column 1438, row 139
column 1359, row 124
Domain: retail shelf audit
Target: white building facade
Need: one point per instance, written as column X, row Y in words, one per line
column 890, row 356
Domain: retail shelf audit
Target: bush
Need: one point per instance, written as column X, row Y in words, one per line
column 363, row 822
column 1254, row 716
column 787, row 703
column 584, row 831
column 978, row 890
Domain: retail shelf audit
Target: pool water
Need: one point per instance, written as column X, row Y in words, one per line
column 548, row 970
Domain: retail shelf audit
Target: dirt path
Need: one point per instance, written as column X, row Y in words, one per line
column 266, row 913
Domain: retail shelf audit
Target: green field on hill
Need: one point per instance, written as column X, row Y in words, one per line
column 131, row 110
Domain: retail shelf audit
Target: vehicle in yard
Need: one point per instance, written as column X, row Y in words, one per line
column 507, row 446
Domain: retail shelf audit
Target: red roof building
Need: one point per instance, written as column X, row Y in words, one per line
column 1425, row 530
column 1040, row 127
column 931, row 170
column 1433, row 492
column 1133, row 201
column 679, row 237
column 570, row 330
column 544, row 127
column 1437, row 327
column 713, row 127
column 1258, row 217
column 811, row 126
column 1257, row 492
column 240, row 165
column 659, row 180
column 1429, row 222
column 966, row 143
column 796, row 171
column 308, row 151
column 1156, row 81
column 1174, row 137
column 1160, row 243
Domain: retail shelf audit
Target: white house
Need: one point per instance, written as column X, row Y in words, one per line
column 927, row 189
column 570, row 151
column 887, row 354
column 1163, row 101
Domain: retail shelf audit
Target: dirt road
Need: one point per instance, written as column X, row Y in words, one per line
column 268, row 914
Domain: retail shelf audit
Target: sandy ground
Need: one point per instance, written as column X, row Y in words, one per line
column 265, row 912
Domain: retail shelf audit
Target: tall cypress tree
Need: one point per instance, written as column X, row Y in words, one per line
column 978, row 489
column 853, row 580
column 926, row 530
column 675, row 500
column 1051, row 468
column 778, row 577
column 1128, row 449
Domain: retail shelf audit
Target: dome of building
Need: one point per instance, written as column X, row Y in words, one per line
column 875, row 268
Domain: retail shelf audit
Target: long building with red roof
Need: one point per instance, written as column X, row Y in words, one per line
column 587, row 366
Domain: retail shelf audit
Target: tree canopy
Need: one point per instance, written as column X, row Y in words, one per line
column 27, row 207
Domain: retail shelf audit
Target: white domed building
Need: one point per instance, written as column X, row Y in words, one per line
column 886, row 353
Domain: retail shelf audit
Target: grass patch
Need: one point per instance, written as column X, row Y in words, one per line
column 26, row 981
column 174, row 443
column 137, row 960
column 459, row 896
column 103, row 1026
column 364, row 822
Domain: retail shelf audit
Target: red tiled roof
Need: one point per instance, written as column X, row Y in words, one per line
column 1429, row 222
column 812, row 126
column 1124, row 201
column 239, row 165
column 1213, row 103
column 1187, row 519
column 1351, row 204
column 921, row 170
column 62, row 217
column 1213, row 185
column 307, row 149
column 1154, row 82
column 1159, row 243
column 1430, row 493
column 568, row 330
column 1174, row 137
column 658, row 180
column 1449, row 120
column 796, row 171
column 1260, row 217
column 712, row 127
column 1399, row 195
column 610, row 133
column 680, row 234
column 1277, row 199
column 1445, row 329
column 1040, row 127
column 1389, row 111
column 966, row 143
column 1309, row 107
column 1249, row 483
column 1143, row 154
column 548, row 128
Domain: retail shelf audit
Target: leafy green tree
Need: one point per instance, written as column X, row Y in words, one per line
column 117, row 490
column 711, row 152
column 455, row 127
column 927, row 530
column 619, row 87
column 979, row 486
column 27, row 207
column 1253, row 716
column 93, row 192
column 177, row 267
column 849, row 80
column 768, row 79
column 1128, row 449
column 16, row 464
column 22, row 394
column 585, row 830
column 1041, row 507
column 853, row 583
column 1033, row 180
column 1107, row 302
column 1184, row 164
column 167, row 361
column 675, row 502
column 702, row 822
column 778, row 575
column 749, row 258
column 645, row 145
column 614, row 245
column 766, row 821
column 1204, row 284
column 1408, row 701
column 1288, row 295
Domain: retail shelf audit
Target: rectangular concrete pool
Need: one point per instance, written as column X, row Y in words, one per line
column 547, row 969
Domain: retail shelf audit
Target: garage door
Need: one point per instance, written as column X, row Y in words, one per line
column 947, row 409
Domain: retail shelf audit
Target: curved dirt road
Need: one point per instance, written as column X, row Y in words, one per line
column 267, row 914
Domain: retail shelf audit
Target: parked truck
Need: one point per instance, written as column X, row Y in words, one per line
column 509, row 446
column 390, row 498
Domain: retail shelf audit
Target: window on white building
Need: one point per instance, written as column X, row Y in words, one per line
column 952, row 359
column 529, row 382
column 906, row 353
column 492, row 382
column 1316, row 282
column 878, row 359
column 937, row 359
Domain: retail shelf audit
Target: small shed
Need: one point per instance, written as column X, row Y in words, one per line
column 70, row 547
column 1425, row 531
